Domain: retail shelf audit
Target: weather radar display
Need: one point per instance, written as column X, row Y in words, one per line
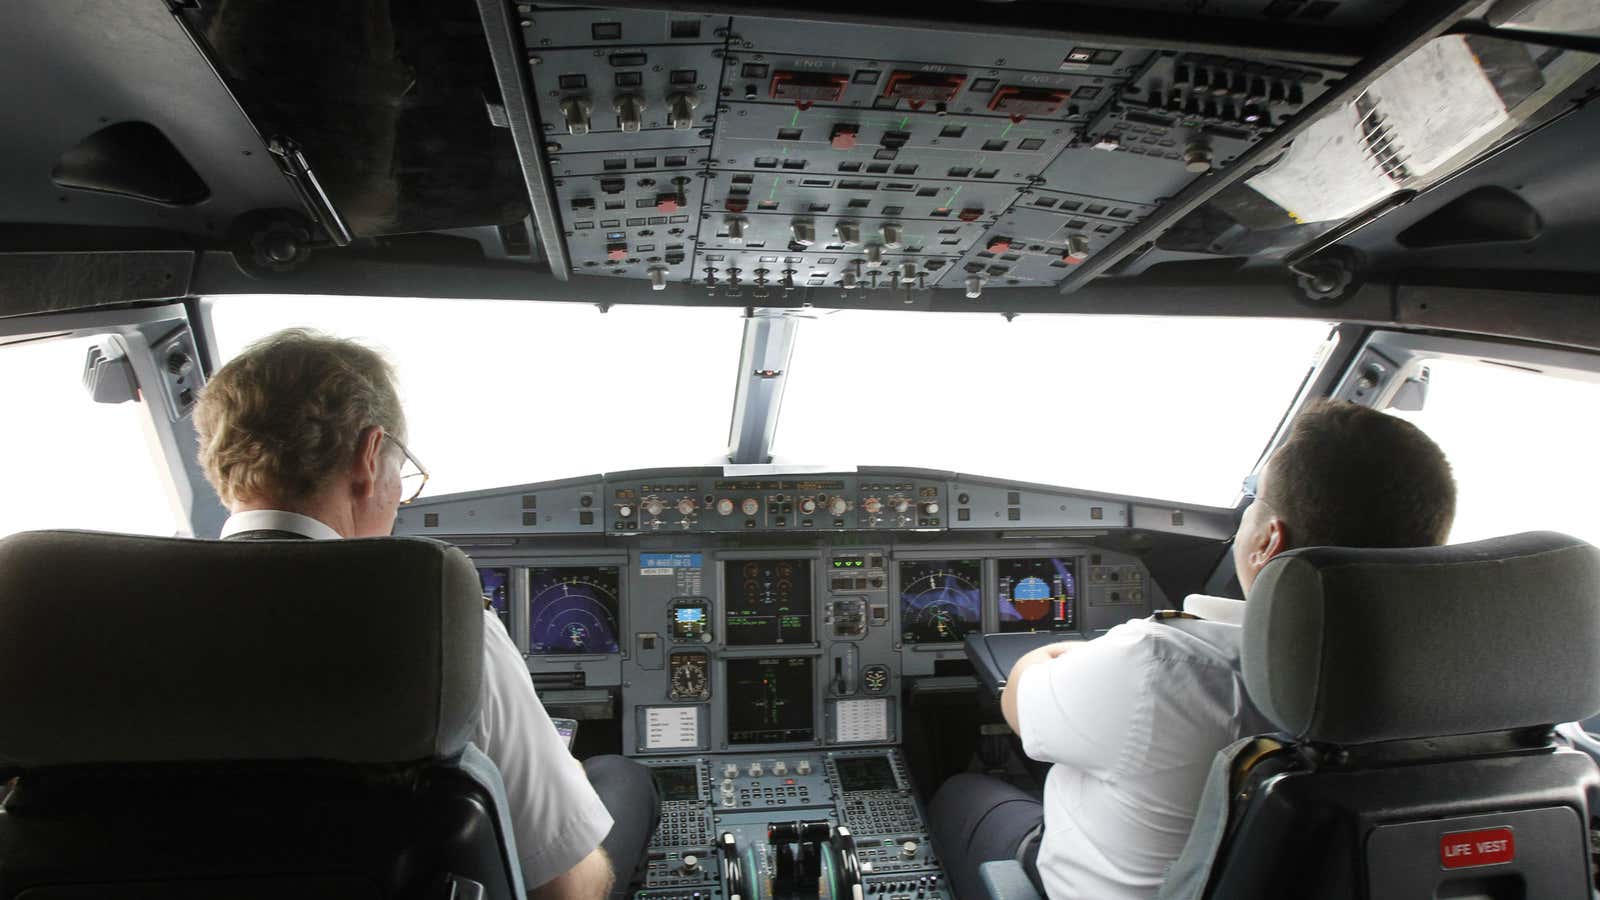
column 940, row 599
column 573, row 609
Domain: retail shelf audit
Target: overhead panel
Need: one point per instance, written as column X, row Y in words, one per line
column 764, row 155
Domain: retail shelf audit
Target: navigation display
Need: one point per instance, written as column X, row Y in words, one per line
column 677, row 782
column 497, row 593
column 573, row 609
column 940, row 599
column 770, row 700
column 1038, row 594
column 766, row 601
column 865, row 773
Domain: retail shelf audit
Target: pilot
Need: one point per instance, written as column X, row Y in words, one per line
column 1132, row 720
column 302, row 435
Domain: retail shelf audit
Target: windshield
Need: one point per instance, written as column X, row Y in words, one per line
column 1177, row 408
column 501, row 393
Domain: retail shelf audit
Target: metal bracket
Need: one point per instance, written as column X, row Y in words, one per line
column 769, row 336
column 295, row 167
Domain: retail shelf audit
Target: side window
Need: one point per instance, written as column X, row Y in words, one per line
column 68, row 462
column 1522, row 444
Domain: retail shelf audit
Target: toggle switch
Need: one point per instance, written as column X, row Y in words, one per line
column 680, row 110
column 735, row 226
column 576, row 110
column 1077, row 249
column 630, row 112
column 974, row 287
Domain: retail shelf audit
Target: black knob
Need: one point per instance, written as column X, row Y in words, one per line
column 178, row 363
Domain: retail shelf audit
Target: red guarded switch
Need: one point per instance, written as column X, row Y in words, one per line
column 971, row 214
column 616, row 252
column 736, row 204
column 843, row 136
column 1020, row 102
column 999, row 245
column 917, row 88
column 668, row 203
column 806, row 88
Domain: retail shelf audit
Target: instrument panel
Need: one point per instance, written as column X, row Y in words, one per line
column 718, row 646
column 710, row 614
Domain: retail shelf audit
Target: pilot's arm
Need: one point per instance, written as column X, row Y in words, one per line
column 557, row 818
column 1076, row 703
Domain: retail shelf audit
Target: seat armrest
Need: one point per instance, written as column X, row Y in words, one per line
column 1005, row 879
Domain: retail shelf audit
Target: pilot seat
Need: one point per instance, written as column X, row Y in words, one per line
column 191, row 718
column 1415, row 690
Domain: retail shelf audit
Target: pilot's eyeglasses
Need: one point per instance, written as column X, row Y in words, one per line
column 413, row 474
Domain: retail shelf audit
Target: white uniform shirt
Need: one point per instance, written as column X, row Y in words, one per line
column 556, row 816
column 1131, row 722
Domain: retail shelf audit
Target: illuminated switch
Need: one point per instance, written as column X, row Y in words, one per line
column 668, row 203
column 736, row 204
column 616, row 252
column 999, row 245
column 843, row 136
column 971, row 214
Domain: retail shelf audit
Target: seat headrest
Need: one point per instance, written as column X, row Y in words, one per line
column 120, row 649
column 1354, row 646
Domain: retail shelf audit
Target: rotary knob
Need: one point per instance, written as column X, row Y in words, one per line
column 691, row 864
column 838, row 506
column 803, row 767
column 804, row 233
column 625, row 511
column 654, row 506
column 931, row 509
column 872, row 505
column 724, row 507
column 847, row 233
column 750, row 506
column 808, row 506
column 686, row 507
column 630, row 112
column 899, row 504
column 891, row 236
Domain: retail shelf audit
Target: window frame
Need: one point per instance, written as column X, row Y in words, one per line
column 196, row 509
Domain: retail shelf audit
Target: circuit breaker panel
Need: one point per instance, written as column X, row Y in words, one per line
column 765, row 154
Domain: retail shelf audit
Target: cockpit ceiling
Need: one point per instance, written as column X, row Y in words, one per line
column 906, row 153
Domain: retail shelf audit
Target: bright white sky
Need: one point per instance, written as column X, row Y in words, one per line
column 505, row 393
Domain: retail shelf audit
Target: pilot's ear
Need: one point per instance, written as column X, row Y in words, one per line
column 367, row 461
column 1274, row 540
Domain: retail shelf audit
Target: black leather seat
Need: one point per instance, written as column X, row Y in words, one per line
column 244, row 719
column 1416, row 690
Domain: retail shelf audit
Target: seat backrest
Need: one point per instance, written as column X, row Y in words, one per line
column 1416, row 690
column 244, row 719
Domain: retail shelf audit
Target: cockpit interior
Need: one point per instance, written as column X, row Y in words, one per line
column 788, row 374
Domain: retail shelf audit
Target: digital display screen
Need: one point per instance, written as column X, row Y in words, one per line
column 865, row 773
column 677, row 783
column 573, row 609
column 689, row 619
column 770, row 700
column 1038, row 594
column 766, row 601
column 941, row 600
column 497, row 593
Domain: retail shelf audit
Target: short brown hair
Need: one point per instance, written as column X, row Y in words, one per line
column 1350, row 476
column 281, row 418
